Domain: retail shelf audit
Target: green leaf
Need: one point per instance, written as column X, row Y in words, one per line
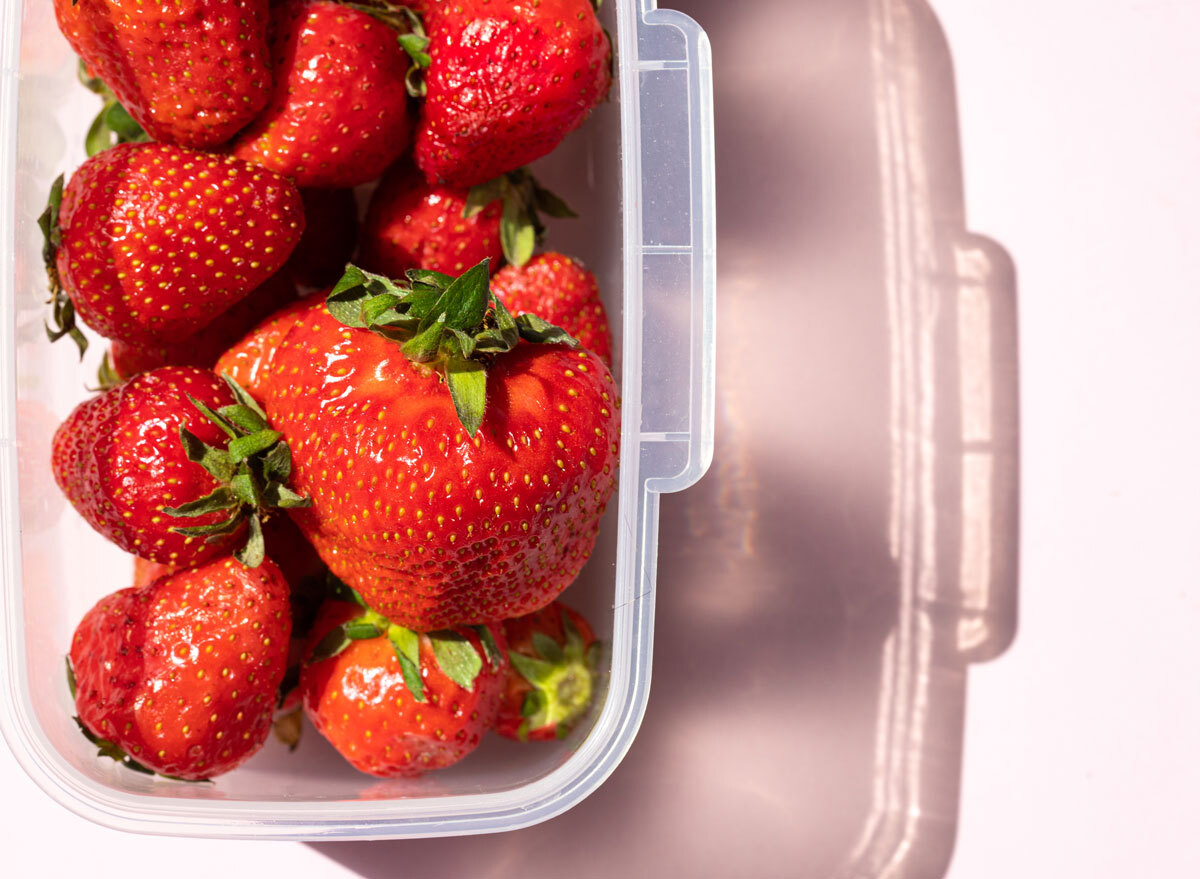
column 277, row 463
column 415, row 45
column 518, row 236
column 244, row 446
column 335, row 641
column 218, row 529
column 362, row 630
column 377, row 306
column 547, row 648
column 457, row 658
column 467, row 298
column 215, row 461
column 242, row 396
column 107, row 376
column 244, row 417
column 276, row 495
column 534, row 329
column 490, row 647
column 117, row 118
column 439, row 280
column 550, row 204
column 423, row 347
column 460, row 345
column 99, row 137
column 254, row 550
column 407, row 645
column 467, row 381
column 214, row 417
column 592, row 656
column 346, row 299
column 535, row 671
column 245, row 487
column 533, row 703
column 483, row 194
column 71, row 684
column 220, row 499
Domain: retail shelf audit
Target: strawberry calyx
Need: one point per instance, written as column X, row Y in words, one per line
column 457, row 657
column 105, row 748
column 113, row 125
column 252, row 472
column 524, row 200
column 410, row 34
column 457, row 325
column 562, row 680
column 62, row 308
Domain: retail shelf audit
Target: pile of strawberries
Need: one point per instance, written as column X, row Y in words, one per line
column 354, row 485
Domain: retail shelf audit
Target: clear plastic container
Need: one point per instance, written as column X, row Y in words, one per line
column 641, row 173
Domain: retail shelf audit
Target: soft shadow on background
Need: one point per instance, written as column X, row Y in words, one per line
column 755, row 755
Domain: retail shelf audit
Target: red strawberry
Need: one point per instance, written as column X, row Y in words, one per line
column 506, row 83
column 552, row 674
column 560, row 290
column 438, row 512
column 203, row 348
column 149, row 469
column 152, row 242
column 330, row 236
column 180, row 677
column 338, row 115
column 414, row 224
column 247, row 362
column 397, row 703
column 190, row 73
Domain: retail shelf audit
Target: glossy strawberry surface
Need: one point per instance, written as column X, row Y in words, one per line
column 558, row 289
column 182, row 675
column 190, row 72
column 203, row 348
column 338, row 115
column 359, row 701
column 508, row 81
column 413, row 224
column 157, row 240
column 435, row 528
column 119, row 460
column 247, row 361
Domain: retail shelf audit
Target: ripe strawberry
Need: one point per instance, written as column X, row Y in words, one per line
column 330, row 236
column 338, row 115
column 191, row 73
column 506, row 83
column 248, row 361
column 563, row 292
column 414, row 224
column 397, row 703
column 438, row 512
column 167, row 446
column 552, row 674
column 180, row 677
column 202, row 349
column 152, row 242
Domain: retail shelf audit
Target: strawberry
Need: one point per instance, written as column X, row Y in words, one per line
column 414, row 224
column 506, row 83
column 174, row 444
column 248, row 361
column 180, row 677
column 338, row 115
column 191, row 72
column 439, row 511
column 330, row 236
column 551, row 679
column 202, row 349
column 398, row 703
column 151, row 242
column 563, row 292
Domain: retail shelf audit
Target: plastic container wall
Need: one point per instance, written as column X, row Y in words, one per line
column 641, row 173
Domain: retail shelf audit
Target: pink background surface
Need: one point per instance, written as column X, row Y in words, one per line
column 1081, row 128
